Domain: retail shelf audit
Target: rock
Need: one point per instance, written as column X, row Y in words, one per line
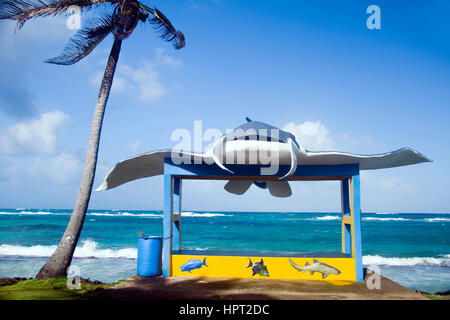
column 423, row 292
column 88, row 280
column 11, row 281
column 442, row 293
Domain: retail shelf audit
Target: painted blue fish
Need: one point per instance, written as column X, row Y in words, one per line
column 193, row 264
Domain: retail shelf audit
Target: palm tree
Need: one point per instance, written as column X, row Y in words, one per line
column 121, row 23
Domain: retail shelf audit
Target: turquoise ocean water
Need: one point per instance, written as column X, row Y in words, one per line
column 411, row 249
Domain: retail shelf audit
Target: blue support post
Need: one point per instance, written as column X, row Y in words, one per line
column 176, row 228
column 167, row 224
column 356, row 213
column 345, row 209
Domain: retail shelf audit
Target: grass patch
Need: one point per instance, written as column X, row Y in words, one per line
column 437, row 297
column 52, row 289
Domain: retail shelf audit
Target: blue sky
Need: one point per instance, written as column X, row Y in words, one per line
column 311, row 64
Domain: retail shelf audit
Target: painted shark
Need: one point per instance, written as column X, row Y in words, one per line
column 316, row 266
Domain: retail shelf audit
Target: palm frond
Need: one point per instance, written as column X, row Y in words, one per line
column 22, row 10
column 166, row 30
column 84, row 41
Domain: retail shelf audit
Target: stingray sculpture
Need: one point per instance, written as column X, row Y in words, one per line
column 255, row 143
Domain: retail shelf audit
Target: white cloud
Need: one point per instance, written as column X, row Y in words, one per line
column 164, row 59
column 37, row 136
column 145, row 79
column 142, row 82
column 119, row 85
column 136, row 145
column 381, row 190
column 381, row 183
column 311, row 135
column 60, row 169
column 353, row 142
column 315, row 136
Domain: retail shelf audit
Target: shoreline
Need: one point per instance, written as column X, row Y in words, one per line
column 210, row 288
column 119, row 269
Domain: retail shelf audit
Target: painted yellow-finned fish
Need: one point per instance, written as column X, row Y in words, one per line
column 258, row 268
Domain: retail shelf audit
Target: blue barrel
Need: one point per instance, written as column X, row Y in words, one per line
column 149, row 256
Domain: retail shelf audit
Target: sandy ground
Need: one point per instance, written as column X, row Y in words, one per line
column 209, row 288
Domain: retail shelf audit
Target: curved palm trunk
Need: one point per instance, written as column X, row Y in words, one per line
column 59, row 262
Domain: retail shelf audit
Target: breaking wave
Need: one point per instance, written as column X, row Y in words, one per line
column 388, row 219
column 438, row 220
column 91, row 249
column 88, row 249
column 117, row 214
column 326, row 218
column 413, row 261
column 204, row 215
column 386, row 213
column 124, row 214
column 33, row 213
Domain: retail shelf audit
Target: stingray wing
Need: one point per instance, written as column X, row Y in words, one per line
column 141, row 166
column 152, row 164
column 280, row 189
column 277, row 188
column 238, row 187
column 402, row 157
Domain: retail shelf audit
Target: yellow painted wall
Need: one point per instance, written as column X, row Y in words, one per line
column 278, row 267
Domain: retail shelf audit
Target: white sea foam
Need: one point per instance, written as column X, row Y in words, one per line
column 405, row 219
column 437, row 219
column 325, row 218
column 88, row 249
column 195, row 248
column 413, row 261
column 328, row 218
column 124, row 214
column 119, row 214
column 386, row 213
column 32, row 251
column 184, row 214
column 387, row 219
column 31, row 213
column 204, row 215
